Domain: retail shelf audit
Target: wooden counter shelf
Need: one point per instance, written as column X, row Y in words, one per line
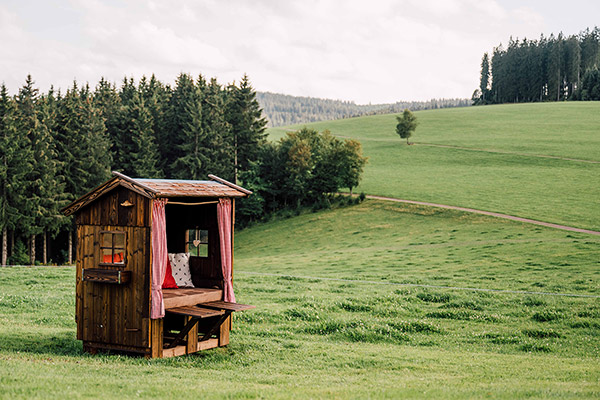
column 114, row 276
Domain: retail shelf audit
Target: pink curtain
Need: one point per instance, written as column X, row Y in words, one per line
column 159, row 257
column 224, row 217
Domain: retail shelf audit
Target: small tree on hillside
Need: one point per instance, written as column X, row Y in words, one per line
column 407, row 123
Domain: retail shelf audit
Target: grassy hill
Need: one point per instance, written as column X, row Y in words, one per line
column 371, row 329
column 381, row 299
column 498, row 165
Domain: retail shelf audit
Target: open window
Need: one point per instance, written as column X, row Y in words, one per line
column 112, row 247
column 196, row 242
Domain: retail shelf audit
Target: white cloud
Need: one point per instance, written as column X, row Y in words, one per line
column 378, row 51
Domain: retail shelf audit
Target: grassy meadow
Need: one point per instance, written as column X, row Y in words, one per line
column 380, row 299
column 373, row 329
column 510, row 178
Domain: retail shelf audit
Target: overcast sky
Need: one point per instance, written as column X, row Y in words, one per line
column 360, row 50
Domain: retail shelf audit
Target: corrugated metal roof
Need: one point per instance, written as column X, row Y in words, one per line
column 184, row 188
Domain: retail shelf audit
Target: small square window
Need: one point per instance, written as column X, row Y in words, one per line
column 196, row 242
column 112, row 248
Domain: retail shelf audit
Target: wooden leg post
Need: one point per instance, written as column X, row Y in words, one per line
column 224, row 332
column 192, row 337
column 156, row 344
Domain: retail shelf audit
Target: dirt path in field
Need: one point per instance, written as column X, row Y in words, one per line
column 492, row 214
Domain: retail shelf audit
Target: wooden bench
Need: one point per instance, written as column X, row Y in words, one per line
column 190, row 296
column 195, row 313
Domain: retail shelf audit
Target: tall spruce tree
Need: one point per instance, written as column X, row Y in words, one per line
column 217, row 129
column 247, row 124
column 484, row 81
column 156, row 98
column 143, row 159
column 82, row 146
column 183, row 121
column 16, row 161
column 109, row 104
column 49, row 183
column 189, row 141
column 28, row 125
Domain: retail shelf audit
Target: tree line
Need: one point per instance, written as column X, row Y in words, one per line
column 281, row 110
column 553, row 68
column 55, row 147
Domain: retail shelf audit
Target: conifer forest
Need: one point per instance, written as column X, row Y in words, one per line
column 281, row 109
column 553, row 68
column 57, row 146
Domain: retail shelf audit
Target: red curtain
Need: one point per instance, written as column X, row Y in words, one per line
column 159, row 257
column 224, row 217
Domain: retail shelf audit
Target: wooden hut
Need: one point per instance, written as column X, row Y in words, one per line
column 127, row 230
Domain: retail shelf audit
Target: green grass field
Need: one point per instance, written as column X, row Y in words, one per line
column 552, row 190
column 380, row 299
column 312, row 337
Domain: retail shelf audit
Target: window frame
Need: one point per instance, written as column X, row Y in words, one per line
column 113, row 233
column 190, row 242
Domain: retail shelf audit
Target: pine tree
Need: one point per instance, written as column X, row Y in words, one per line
column 498, row 75
column 143, row 159
column 183, row 128
column 555, row 67
column 572, row 62
column 15, row 163
column 485, row 78
column 247, row 124
column 109, row 104
column 156, row 98
column 47, row 173
column 195, row 155
column 82, row 146
column 590, row 49
column 217, row 129
column 28, row 125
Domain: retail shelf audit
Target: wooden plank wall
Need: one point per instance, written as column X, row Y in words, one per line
column 109, row 313
column 107, row 210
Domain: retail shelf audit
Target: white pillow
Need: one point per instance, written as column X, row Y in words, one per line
column 180, row 264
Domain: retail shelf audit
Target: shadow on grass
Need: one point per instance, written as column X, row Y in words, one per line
column 60, row 344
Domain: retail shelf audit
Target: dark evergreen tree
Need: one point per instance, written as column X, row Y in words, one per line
column 183, row 122
column 28, row 125
column 547, row 69
column 572, row 63
column 143, row 159
column 247, row 124
column 590, row 49
column 156, row 99
column 82, row 145
column 46, row 179
column 16, row 161
column 83, row 148
column 484, row 81
column 216, row 129
column 590, row 86
column 109, row 104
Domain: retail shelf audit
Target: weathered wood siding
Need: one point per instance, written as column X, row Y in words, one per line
column 107, row 210
column 110, row 313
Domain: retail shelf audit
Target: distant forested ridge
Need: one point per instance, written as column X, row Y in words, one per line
column 551, row 68
column 57, row 146
column 281, row 109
